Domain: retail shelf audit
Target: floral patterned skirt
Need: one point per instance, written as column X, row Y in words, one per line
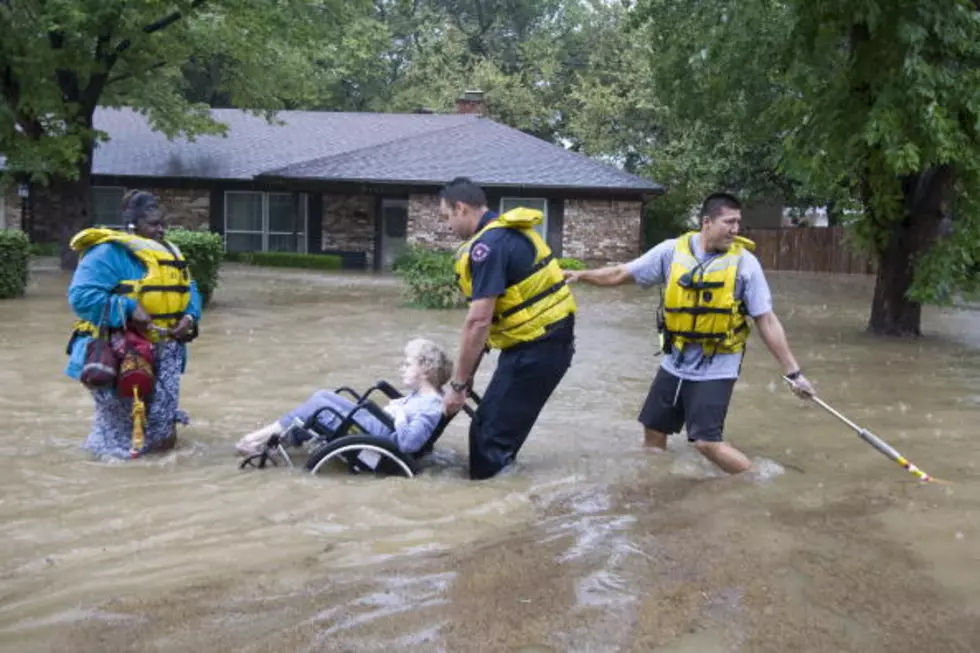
column 112, row 429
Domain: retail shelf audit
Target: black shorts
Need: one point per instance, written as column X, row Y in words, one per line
column 701, row 406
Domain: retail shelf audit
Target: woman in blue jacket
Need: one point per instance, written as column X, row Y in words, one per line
column 139, row 279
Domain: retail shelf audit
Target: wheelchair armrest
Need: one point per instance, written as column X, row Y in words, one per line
column 349, row 391
column 384, row 387
column 375, row 410
column 347, row 420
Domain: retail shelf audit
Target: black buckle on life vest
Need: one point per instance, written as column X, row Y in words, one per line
column 688, row 282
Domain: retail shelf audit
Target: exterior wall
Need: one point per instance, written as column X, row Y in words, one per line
column 188, row 208
column 349, row 224
column 602, row 232
column 185, row 207
column 425, row 227
column 599, row 232
column 10, row 206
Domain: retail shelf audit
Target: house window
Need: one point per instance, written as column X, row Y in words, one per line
column 107, row 206
column 265, row 222
column 539, row 203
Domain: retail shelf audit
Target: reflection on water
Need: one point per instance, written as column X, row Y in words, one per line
column 591, row 544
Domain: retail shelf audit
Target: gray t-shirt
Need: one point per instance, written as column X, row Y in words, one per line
column 653, row 268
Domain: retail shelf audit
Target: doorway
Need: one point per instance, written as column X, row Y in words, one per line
column 394, row 230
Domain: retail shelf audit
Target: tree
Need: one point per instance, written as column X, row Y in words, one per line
column 60, row 59
column 870, row 104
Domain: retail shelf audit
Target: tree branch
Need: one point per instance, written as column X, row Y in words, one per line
column 119, row 78
column 97, row 83
column 67, row 78
column 156, row 26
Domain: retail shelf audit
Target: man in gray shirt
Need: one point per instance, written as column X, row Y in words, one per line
column 710, row 279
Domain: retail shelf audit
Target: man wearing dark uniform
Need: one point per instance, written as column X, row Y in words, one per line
column 520, row 304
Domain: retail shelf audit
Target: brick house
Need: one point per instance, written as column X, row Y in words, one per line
column 359, row 184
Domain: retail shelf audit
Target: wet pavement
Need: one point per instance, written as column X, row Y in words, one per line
column 592, row 543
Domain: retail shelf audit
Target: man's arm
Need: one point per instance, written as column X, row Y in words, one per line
column 647, row 270
column 476, row 330
column 772, row 333
column 758, row 303
column 614, row 275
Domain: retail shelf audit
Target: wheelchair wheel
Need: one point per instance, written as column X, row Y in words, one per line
column 363, row 453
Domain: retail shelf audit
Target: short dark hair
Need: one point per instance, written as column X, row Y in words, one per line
column 714, row 203
column 462, row 189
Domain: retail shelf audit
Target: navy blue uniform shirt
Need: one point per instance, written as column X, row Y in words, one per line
column 500, row 258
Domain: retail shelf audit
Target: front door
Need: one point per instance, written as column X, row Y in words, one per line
column 394, row 230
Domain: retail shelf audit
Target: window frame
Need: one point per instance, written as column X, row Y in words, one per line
column 118, row 224
column 303, row 207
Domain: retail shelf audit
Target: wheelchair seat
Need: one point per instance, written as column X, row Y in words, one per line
column 348, row 444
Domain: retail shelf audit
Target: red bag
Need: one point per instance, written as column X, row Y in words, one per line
column 136, row 362
column 101, row 364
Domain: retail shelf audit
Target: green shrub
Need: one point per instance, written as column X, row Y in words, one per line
column 430, row 280
column 203, row 251
column 15, row 254
column 288, row 260
column 45, row 249
column 571, row 264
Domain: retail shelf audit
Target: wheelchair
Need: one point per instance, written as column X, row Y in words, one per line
column 349, row 444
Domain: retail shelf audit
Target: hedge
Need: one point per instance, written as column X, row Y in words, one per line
column 287, row 260
column 571, row 264
column 430, row 280
column 203, row 251
column 15, row 254
column 45, row 249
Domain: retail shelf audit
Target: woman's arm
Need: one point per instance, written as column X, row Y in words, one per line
column 98, row 273
column 196, row 303
column 419, row 424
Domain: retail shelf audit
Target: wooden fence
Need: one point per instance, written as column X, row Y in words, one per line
column 808, row 249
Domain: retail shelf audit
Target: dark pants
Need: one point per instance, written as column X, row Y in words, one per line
column 521, row 385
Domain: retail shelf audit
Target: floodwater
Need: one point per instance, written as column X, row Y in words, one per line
column 591, row 543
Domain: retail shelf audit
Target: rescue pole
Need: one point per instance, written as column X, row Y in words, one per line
column 875, row 441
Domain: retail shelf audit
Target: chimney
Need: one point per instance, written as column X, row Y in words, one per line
column 471, row 102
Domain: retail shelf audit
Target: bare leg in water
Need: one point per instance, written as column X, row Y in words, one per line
column 722, row 454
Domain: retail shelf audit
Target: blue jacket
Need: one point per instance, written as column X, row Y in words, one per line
column 100, row 270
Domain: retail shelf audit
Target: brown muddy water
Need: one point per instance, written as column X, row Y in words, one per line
column 591, row 544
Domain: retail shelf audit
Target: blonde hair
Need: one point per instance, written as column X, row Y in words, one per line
column 433, row 360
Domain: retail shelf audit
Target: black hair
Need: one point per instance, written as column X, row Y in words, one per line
column 462, row 189
column 714, row 203
column 138, row 205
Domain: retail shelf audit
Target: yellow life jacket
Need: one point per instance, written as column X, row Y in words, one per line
column 164, row 292
column 527, row 308
column 699, row 304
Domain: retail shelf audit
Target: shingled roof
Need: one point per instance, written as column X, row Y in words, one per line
column 423, row 149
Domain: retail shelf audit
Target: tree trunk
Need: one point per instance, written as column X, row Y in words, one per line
column 892, row 312
column 63, row 209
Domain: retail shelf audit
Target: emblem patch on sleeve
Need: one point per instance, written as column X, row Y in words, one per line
column 480, row 252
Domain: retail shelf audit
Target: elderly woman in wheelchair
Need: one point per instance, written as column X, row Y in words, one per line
column 358, row 432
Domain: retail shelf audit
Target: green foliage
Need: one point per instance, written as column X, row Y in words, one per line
column 668, row 216
column 203, row 251
column 15, row 256
column 44, row 249
column 287, row 260
column 865, row 104
column 569, row 263
column 61, row 59
column 430, row 280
